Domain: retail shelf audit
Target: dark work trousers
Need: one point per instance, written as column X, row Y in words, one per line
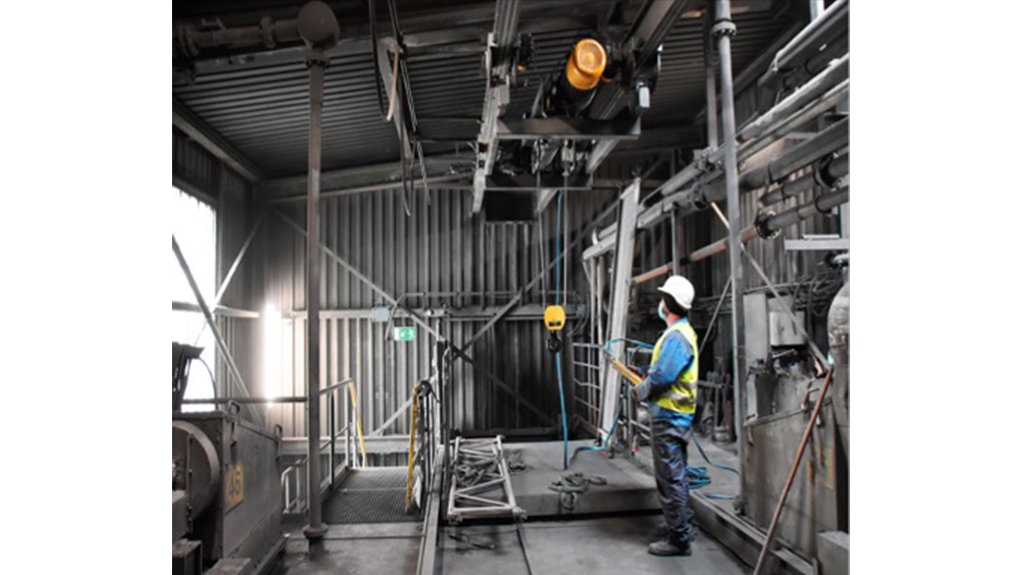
column 670, row 457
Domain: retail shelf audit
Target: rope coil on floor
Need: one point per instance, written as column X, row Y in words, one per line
column 573, row 485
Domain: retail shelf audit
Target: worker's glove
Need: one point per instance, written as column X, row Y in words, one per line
column 641, row 392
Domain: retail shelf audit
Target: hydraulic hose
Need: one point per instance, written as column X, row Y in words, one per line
column 557, row 357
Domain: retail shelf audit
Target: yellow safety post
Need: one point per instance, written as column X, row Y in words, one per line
column 358, row 422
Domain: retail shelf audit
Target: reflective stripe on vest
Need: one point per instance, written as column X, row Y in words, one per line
column 681, row 396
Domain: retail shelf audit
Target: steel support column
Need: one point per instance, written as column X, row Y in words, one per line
column 723, row 29
column 315, row 530
column 319, row 28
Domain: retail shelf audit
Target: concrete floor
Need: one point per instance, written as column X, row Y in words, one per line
column 581, row 546
column 564, row 547
column 369, row 549
column 628, row 488
column 557, row 543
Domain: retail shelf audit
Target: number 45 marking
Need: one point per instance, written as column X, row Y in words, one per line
column 234, row 485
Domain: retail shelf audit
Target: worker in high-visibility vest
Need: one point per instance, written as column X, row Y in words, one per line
column 670, row 391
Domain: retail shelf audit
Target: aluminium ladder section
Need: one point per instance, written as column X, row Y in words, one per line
column 490, row 495
column 618, row 319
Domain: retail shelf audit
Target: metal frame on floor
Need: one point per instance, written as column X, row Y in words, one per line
column 489, row 494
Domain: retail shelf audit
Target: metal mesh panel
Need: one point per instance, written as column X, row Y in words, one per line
column 369, row 496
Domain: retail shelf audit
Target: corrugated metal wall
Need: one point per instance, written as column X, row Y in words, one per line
column 438, row 249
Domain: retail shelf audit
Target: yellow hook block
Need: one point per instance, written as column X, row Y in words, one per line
column 554, row 317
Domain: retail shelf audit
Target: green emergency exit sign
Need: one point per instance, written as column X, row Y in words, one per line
column 404, row 333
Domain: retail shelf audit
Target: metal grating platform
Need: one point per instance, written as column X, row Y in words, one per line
column 369, row 496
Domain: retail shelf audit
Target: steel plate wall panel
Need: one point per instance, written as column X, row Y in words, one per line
column 461, row 260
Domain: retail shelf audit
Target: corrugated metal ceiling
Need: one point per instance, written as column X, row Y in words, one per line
column 263, row 111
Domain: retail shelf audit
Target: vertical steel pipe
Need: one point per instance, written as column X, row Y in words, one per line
column 712, row 140
column 723, row 29
column 315, row 530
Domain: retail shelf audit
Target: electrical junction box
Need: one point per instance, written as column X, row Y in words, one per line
column 379, row 314
column 782, row 330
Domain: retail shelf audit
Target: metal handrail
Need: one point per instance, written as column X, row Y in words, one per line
column 293, row 473
column 586, row 380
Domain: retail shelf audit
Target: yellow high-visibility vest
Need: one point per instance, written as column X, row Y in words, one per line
column 681, row 397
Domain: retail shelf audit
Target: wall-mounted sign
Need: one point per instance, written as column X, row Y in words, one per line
column 405, row 333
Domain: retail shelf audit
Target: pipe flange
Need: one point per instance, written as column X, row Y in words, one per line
column 819, row 174
column 761, row 225
column 266, row 27
column 316, row 57
column 723, row 28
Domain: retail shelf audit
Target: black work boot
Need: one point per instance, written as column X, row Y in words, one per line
column 667, row 547
column 662, row 532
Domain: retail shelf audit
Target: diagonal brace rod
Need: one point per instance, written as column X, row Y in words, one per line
column 221, row 345
column 234, row 267
column 817, row 354
column 415, row 317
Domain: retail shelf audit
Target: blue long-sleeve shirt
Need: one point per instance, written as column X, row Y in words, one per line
column 676, row 356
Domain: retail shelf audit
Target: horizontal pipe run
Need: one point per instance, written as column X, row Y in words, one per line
column 799, row 107
column 808, row 92
column 268, row 34
column 795, row 187
column 826, row 142
column 712, row 188
column 651, row 274
column 719, row 246
column 827, row 174
column 835, row 169
column 821, row 204
column 832, row 21
column 788, row 125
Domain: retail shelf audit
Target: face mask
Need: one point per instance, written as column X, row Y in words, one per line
column 661, row 311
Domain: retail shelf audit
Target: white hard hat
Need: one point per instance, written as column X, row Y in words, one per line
column 680, row 289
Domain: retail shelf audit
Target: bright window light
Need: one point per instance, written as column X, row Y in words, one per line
column 272, row 348
column 193, row 224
